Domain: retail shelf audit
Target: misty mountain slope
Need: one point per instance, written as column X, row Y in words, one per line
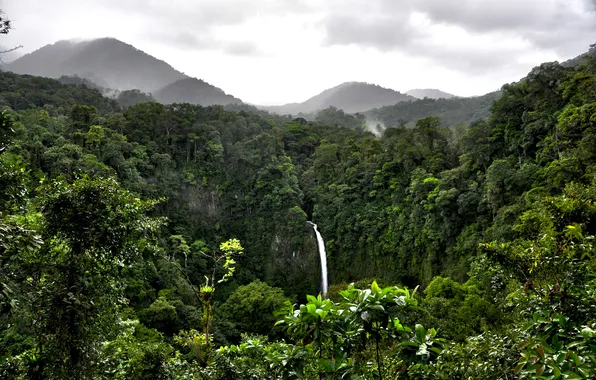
column 350, row 97
column 48, row 61
column 194, row 91
column 430, row 93
column 78, row 81
column 106, row 61
column 451, row 111
column 580, row 58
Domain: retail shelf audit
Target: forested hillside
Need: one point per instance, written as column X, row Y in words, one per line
column 451, row 111
column 151, row 241
column 22, row 92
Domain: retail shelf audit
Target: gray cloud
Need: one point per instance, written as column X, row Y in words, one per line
column 383, row 32
column 191, row 24
column 242, row 48
column 565, row 27
column 484, row 42
column 205, row 14
column 488, row 15
column 181, row 24
column 469, row 60
column 189, row 40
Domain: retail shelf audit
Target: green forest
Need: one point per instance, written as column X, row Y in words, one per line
column 147, row 241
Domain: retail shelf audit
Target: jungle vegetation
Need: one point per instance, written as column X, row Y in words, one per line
column 151, row 241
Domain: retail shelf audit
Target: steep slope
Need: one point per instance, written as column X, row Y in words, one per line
column 430, row 93
column 194, row 91
column 106, row 61
column 350, row 97
column 580, row 58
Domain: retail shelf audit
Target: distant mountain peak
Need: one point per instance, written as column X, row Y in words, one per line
column 351, row 97
column 195, row 91
column 430, row 93
column 120, row 65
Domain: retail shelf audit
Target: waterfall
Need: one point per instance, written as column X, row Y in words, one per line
column 323, row 256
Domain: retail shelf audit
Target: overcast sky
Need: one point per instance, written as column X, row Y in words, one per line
column 279, row 51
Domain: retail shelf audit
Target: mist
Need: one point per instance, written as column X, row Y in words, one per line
column 375, row 126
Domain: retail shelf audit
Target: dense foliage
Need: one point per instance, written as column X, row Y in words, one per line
column 452, row 111
column 21, row 92
column 170, row 241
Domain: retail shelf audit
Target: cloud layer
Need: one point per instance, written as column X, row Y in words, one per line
column 277, row 51
column 470, row 34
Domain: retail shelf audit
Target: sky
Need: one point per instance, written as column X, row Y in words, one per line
column 279, row 51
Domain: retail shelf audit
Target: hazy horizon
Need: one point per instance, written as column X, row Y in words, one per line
column 275, row 52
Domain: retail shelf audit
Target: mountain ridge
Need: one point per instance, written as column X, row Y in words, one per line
column 451, row 111
column 108, row 62
column 431, row 93
column 113, row 64
column 194, row 91
column 351, row 97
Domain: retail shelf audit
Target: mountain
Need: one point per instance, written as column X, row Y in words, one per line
column 106, row 61
column 78, row 81
column 21, row 92
column 451, row 111
column 194, row 91
column 350, row 97
column 430, row 93
column 580, row 58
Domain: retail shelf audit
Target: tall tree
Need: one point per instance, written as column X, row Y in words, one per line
column 92, row 229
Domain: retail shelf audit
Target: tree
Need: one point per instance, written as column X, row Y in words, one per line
column 6, row 130
column 251, row 307
column 5, row 28
column 460, row 308
column 5, row 25
column 223, row 268
column 222, row 260
column 92, row 228
column 129, row 98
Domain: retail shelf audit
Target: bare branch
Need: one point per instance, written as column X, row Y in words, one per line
column 11, row 50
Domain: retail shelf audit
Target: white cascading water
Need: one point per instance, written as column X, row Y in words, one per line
column 323, row 256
